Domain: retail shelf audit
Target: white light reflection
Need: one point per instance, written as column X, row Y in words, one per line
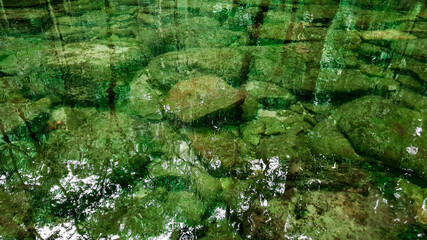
column 412, row 150
column 62, row 231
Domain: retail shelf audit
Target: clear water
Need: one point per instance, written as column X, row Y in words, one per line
column 202, row 119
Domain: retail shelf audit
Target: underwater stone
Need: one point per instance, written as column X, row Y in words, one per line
column 199, row 32
column 229, row 64
column 380, row 129
column 143, row 100
column 293, row 31
column 413, row 48
column 389, row 34
column 194, row 98
column 418, row 197
column 15, row 114
column 220, row 149
column 293, row 66
column 338, row 82
column 327, row 141
column 93, row 65
column 290, row 145
column 270, row 94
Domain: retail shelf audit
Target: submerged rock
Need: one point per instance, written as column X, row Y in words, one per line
column 229, row 64
column 144, row 100
column 293, row 66
column 197, row 97
column 87, row 68
column 379, row 129
column 389, row 34
column 220, row 149
column 270, row 95
column 15, row 114
column 413, row 48
column 324, row 215
column 339, row 82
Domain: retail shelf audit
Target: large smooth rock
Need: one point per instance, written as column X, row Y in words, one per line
column 197, row 97
column 414, row 48
column 378, row 129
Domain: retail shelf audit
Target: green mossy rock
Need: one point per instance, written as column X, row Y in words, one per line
column 292, row 66
column 221, row 149
column 143, row 100
column 338, row 214
column 92, row 66
column 413, row 48
column 388, row 35
column 338, row 82
column 197, row 97
column 270, row 123
column 327, row 141
column 190, row 170
column 375, row 128
column 291, row 145
column 200, row 32
column 289, row 31
column 21, row 112
column 109, row 138
column 168, row 69
column 270, row 95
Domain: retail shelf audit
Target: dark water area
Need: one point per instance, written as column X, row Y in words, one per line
column 203, row 119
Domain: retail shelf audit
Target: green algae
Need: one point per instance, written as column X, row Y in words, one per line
column 226, row 119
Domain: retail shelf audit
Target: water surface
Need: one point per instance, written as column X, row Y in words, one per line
column 202, row 119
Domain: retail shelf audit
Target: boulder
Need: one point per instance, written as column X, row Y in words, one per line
column 89, row 67
column 413, row 48
column 197, row 97
column 230, row 64
column 338, row 82
column 378, row 129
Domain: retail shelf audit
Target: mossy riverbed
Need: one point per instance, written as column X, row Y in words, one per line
column 213, row 119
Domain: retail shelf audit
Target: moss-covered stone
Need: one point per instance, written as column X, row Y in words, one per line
column 168, row 69
column 377, row 128
column 269, row 94
column 22, row 112
column 197, row 97
column 219, row 149
column 293, row 66
column 144, row 100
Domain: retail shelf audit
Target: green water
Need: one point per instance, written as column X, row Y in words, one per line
column 213, row 119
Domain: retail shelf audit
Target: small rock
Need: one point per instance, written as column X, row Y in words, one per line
column 389, row 34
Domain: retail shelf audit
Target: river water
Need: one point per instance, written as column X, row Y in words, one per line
column 213, row 119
